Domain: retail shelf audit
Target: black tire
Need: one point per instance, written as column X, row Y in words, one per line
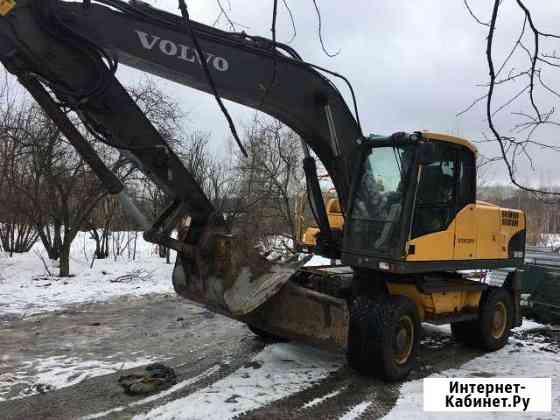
column 265, row 335
column 375, row 343
column 489, row 303
column 482, row 332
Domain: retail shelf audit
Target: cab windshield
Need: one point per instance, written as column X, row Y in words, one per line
column 379, row 198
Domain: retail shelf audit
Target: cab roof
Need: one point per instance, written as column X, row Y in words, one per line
column 437, row 137
column 450, row 139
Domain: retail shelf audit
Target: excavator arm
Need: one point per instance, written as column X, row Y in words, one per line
column 62, row 45
column 66, row 55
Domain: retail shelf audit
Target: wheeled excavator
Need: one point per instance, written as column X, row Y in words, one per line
column 411, row 219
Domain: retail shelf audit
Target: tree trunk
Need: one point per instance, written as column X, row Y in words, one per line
column 12, row 241
column 105, row 243
column 101, row 251
column 135, row 242
column 45, row 241
column 57, row 241
column 65, row 261
column 95, row 237
column 53, row 246
column 69, row 237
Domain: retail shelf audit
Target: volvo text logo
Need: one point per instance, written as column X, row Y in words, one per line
column 182, row 52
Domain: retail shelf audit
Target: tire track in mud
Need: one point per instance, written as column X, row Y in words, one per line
column 246, row 350
column 343, row 390
column 331, row 398
column 341, row 393
column 328, row 398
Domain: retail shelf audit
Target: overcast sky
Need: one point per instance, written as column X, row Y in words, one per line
column 414, row 64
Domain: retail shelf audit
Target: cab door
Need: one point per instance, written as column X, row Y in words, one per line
column 433, row 230
column 466, row 223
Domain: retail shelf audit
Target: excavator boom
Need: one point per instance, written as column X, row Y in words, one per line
column 66, row 55
column 56, row 39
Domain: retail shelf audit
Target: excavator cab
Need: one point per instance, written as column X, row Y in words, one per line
column 413, row 209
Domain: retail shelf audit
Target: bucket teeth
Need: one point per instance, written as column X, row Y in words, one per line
column 229, row 275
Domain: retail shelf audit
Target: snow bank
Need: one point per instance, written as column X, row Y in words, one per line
column 278, row 371
column 26, row 288
column 550, row 240
column 528, row 325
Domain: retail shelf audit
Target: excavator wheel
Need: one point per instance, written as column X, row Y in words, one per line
column 383, row 336
column 492, row 328
column 265, row 335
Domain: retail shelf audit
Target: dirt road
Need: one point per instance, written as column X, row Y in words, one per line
column 202, row 347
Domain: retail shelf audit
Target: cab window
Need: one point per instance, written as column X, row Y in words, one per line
column 466, row 188
column 446, row 186
column 436, row 193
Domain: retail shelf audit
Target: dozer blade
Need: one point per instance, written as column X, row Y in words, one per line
column 236, row 281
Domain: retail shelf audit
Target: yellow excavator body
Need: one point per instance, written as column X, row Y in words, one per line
column 480, row 231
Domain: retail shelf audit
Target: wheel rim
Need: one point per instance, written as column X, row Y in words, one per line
column 499, row 321
column 404, row 340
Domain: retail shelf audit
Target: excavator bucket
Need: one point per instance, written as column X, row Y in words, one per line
column 231, row 277
column 228, row 273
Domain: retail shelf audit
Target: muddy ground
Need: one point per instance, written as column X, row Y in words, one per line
column 192, row 341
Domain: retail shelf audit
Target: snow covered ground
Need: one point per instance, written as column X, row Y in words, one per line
column 26, row 288
column 59, row 372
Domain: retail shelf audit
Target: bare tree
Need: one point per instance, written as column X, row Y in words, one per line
column 17, row 232
column 60, row 190
column 522, row 76
column 162, row 111
column 65, row 190
column 101, row 224
column 268, row 180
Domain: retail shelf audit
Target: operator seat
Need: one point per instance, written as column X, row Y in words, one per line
column 434, row 201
